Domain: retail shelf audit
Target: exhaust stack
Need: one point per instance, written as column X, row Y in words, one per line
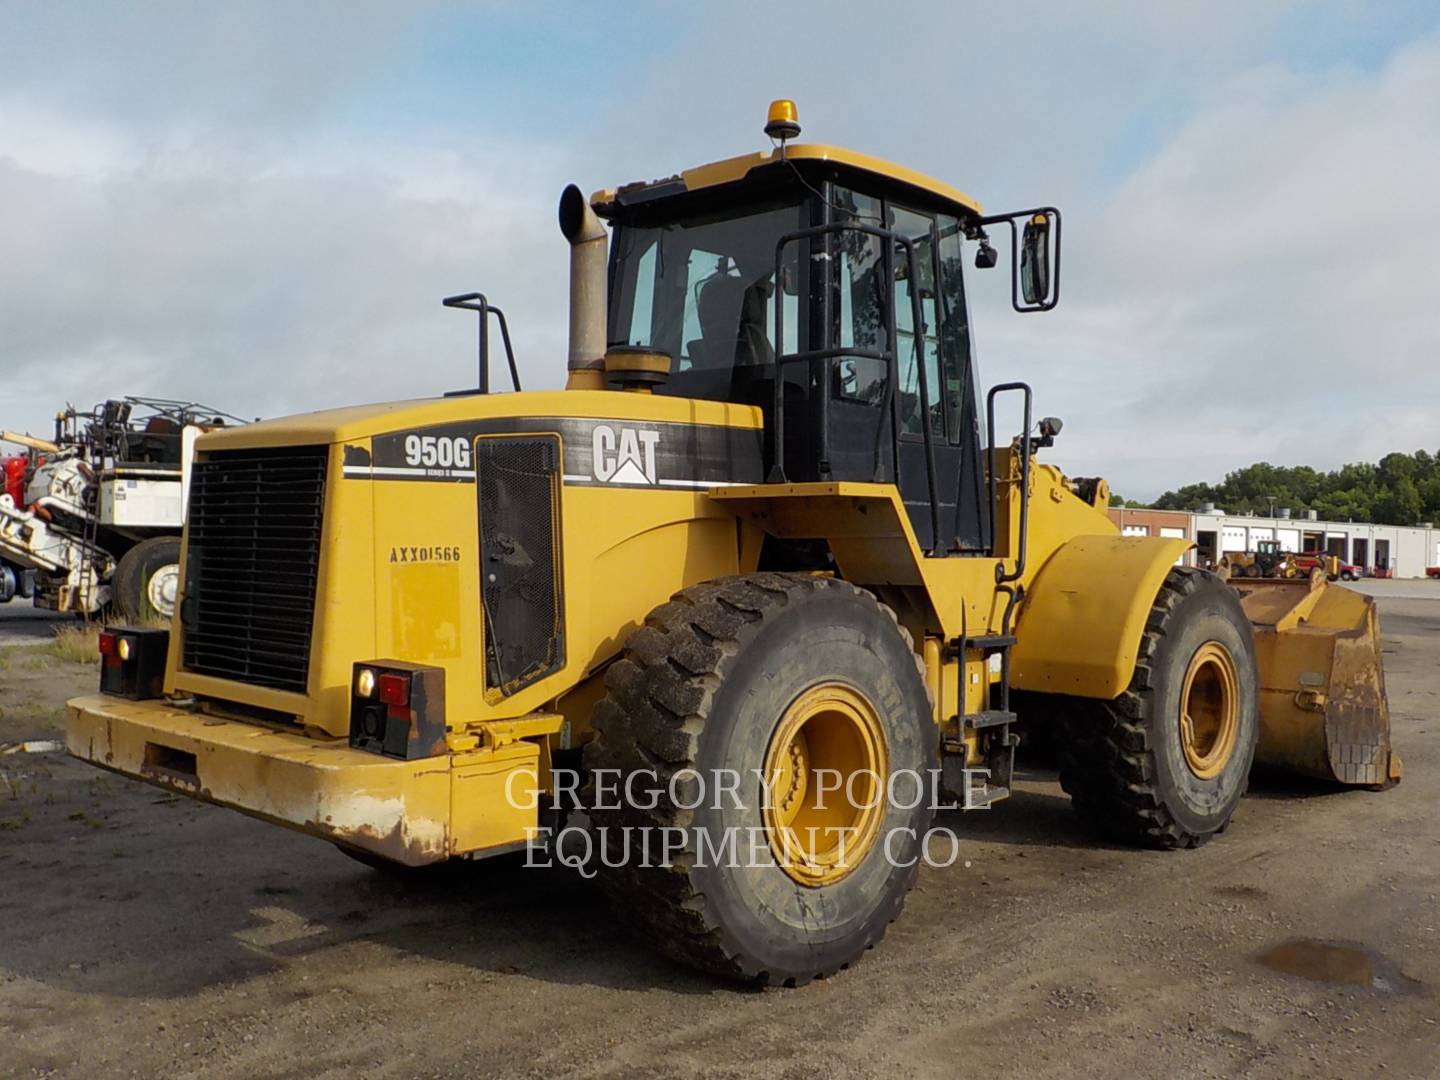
column 589, row 255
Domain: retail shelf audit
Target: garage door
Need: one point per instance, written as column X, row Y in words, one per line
column 1232, row 538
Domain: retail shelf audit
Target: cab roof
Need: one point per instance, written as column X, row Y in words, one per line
column 737, row 168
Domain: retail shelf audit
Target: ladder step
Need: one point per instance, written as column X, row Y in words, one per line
column 988, row 795
column 955, row 648
column 987, row 719
column 987, row 641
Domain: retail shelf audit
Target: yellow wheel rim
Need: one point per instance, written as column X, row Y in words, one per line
column 826, row 770
column 1209, row 710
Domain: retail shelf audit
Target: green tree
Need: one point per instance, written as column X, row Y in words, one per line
column 1396, row 467
column 1400, row 490
column 1187, row 498
column 1400, row 504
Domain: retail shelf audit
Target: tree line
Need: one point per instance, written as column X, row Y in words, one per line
column 1401, row 489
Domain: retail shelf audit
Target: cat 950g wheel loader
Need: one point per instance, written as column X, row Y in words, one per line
column 733, row 606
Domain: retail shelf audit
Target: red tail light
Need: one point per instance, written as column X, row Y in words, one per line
column 393, row 689
column 132, row 661
column 398, row 709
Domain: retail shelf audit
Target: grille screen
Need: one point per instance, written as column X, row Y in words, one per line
column 519, row 491
column 251, row 563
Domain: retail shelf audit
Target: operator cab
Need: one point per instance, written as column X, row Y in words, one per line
column 850, row 270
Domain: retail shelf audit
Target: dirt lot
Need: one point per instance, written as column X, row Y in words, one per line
column 143, row 934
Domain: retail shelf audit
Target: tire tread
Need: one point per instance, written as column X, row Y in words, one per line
column 658, row 695
column 1107, row 758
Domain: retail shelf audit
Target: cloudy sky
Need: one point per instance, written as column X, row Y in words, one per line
column 259, row 205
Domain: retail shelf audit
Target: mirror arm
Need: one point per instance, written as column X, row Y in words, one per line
column 976, row 226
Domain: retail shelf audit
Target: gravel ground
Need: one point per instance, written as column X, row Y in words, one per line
column 22, row 623
column 144, row 934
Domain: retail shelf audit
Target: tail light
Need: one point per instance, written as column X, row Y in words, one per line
column 393, row 688
column 398, row 709
column 132, row 661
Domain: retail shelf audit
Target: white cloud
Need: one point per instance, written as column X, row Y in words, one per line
column 1246, row 268
column 268, row 278
column 1247, row 230
column 1261, row 287
column 261, row 65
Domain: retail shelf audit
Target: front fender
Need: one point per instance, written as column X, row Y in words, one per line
column 1079, row 627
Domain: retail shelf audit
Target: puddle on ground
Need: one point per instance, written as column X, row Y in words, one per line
column 1331, row 962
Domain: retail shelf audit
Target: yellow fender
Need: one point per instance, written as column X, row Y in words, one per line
column 1080, row 623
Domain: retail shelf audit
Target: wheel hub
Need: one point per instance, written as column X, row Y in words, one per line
column 162, row 588
column 826, row 768
column 1209, row 710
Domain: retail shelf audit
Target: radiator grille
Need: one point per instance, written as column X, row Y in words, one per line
column 519, row 492
column 252, row 559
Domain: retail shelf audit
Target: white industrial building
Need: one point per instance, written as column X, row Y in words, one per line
column 1401, row 551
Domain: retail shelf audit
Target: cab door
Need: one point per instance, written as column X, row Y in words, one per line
column 939, row 346
column 917, row 352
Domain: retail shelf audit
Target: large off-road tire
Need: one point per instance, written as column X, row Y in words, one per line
column 1165, row 764
column 777, row 675
column 146, row 580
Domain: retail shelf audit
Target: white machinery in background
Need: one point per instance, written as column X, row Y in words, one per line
column 93, row 516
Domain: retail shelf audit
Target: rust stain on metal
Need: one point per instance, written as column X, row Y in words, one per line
column 398, row 843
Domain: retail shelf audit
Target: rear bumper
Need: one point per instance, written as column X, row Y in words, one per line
column 412, row 812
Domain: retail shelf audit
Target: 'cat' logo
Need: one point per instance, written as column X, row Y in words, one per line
column 624, row 457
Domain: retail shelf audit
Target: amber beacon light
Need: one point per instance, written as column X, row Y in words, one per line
column 783, row 120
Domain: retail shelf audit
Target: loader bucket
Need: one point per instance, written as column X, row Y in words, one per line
column 1323, row 711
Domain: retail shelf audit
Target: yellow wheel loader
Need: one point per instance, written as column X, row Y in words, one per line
column 726, row 619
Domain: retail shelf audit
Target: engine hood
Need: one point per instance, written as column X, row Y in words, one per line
column 360, row 422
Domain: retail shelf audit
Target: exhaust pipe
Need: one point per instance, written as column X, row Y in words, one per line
column 589, row 256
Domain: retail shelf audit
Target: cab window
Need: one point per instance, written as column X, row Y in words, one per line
column 917, row 346
column 943, row 342
column 954, row 322
column 860, row 308
column 701, row 289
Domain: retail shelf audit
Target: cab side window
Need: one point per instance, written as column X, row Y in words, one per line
column 941, row 344
column 917, row 345
column 860, row 307
column 954, row 323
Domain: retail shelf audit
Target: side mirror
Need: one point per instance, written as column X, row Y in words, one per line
column 1034, row 255
column 1035, row 261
